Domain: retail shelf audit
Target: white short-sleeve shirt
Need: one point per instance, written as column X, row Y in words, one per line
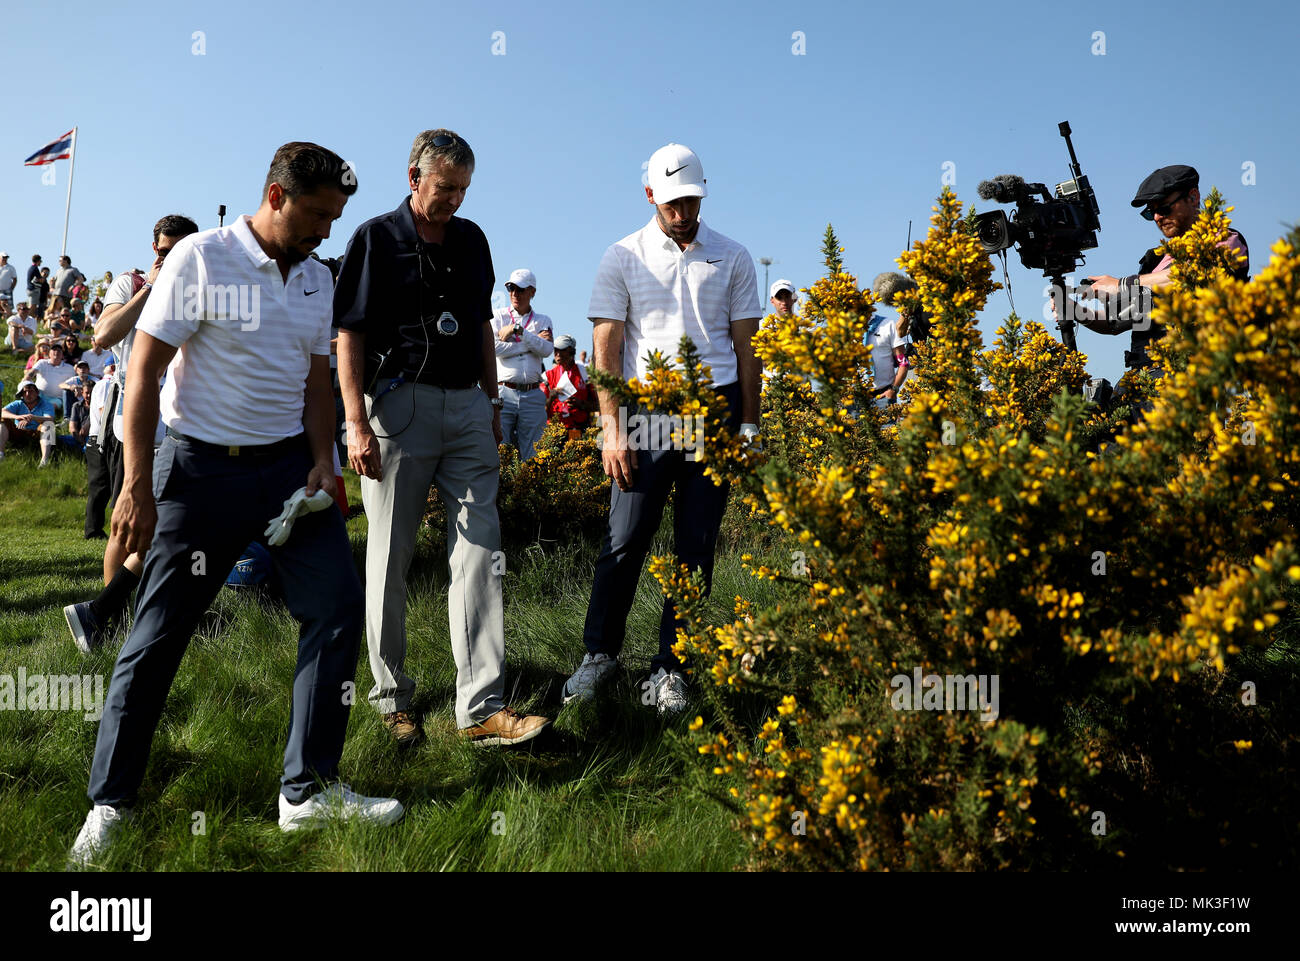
column 245, row 335
column 882, row 342
column 120, row 291
column 660, row 292
column 98, row 398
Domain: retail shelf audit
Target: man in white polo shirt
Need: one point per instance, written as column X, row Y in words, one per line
column 674, row 276
column 523, row 342
column 249, row 412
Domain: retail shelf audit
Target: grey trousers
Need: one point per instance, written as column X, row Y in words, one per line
column 442, row 437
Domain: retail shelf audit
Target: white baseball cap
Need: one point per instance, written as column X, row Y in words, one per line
column 565, row 342
column 675, row 171
column 523, row 277
column 781, row 285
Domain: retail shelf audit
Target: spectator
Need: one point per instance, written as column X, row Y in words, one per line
column 50, row 375
column 77, row 314
column 79, row 418
column 582, row 359
column 522, row 341
column 98, row 358
column 72, row 348
column 782, row 297
column 98, row 479
column 72, row 386
column 92, row 316
column 568, row 396
column 42, row 353
column 42, row 302
column 20, row 333
column 8, row 277
column 28, row 420
column 65, row 280
column 34, row 285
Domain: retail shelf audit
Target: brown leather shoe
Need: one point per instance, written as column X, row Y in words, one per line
column 401, row 724
column 506, row 726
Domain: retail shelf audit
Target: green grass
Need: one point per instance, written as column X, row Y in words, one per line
column 607, row 788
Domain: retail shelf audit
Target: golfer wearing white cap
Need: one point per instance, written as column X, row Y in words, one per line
column 674, row 276
column 522, row 344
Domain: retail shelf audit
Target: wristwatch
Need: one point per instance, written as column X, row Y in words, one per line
column 496, row 401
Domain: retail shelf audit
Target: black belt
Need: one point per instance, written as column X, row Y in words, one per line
column 254, row 450
column 513, row 386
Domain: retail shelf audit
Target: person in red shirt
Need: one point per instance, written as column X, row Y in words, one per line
column 568, row 395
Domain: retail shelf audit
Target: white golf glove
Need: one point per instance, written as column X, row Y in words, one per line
column 277, row 532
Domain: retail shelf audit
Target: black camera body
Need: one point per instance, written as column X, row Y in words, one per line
column 1050, row 234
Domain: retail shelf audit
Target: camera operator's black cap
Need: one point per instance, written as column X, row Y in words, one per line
column 1164, row 182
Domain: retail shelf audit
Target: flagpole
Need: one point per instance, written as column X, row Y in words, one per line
column 67, row 208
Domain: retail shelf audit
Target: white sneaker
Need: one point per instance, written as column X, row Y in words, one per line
column 102, row 822
column 670, row 691
column 594, row 669
column 337, row 802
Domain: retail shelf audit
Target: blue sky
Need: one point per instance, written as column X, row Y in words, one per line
column 856, row 130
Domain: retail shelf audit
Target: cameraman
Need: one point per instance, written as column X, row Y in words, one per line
column 1172, row 198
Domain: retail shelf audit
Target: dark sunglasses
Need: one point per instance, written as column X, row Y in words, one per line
column 1149, row 213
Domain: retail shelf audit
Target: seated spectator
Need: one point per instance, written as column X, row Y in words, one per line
column 98, row 358
column 77, row 314
column 29, row 420
column 71, row 348
column 568, row 395
column 20, row 332
column 42, row 353
column 50, row 375
column 79, row 418
column 73, row 385
column 92, row 316
column 61, row 323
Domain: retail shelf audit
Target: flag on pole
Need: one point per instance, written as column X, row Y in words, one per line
column 58, row 149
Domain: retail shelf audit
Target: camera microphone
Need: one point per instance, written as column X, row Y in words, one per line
column 1004, row 188
column 221, row 215
column 887, row 285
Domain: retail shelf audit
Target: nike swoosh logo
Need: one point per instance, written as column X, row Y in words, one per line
column 718, row 261
column 669, row 173
column 308, row 293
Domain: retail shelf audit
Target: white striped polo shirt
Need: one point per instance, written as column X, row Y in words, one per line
column 660, row 292
column 246, row 336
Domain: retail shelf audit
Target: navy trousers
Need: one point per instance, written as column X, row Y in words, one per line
column 210, row 506
column 634, row 517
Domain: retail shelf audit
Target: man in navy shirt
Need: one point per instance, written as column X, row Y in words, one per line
column 418, row 374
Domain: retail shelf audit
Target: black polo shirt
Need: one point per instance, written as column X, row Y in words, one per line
column 394, row 289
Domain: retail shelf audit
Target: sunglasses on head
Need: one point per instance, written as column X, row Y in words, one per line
column 1149, row 213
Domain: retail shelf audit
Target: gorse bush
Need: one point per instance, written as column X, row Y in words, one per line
column 561, row 492
column 1110, row 614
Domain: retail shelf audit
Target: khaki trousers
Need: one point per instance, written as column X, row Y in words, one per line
column 441, row 437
